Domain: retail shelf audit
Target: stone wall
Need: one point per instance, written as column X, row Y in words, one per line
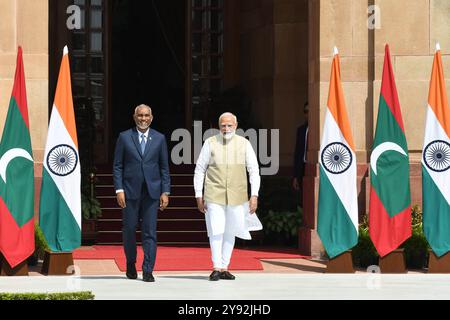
column 274, row 65
column 411, row 28
column 25, row 23
column 257, row 57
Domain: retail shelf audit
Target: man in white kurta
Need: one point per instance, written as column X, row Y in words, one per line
column 221, row 172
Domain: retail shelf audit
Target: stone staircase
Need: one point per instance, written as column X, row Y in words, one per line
column 180, row 224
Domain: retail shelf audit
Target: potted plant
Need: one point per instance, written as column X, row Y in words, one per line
column 364, row 254
column 416, row 247
column 40, row 246
column 279, row 211
column 281, row 227
column 91, row 211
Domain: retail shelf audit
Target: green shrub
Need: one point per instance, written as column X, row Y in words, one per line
column 364, row 253
column 278, row 210
column 90, row 207
column 40, row 242
column 277, row 194
column 84, row 295
column 281, row 227
column 416, row 251
column 40, row 245
column 416, row 247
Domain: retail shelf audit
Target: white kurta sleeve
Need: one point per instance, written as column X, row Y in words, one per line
column 200, row 169
column 251, row 162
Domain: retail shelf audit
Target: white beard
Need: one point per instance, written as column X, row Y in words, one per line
column 228, row 135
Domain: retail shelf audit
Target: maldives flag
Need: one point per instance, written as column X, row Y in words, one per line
column 17, row 177
column 390, row 198
column 338, row 205
column 60, row 205
column 436, row 163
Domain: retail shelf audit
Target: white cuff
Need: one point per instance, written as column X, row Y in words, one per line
column 199, row 194
column 119, row 191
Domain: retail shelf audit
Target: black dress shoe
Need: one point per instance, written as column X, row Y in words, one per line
column 214, row 276
column 226, row 275
column 131, row 271
column 148, row 277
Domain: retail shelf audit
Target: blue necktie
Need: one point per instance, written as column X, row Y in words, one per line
column 142, row 143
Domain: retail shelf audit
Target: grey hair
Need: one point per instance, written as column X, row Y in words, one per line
column 228, row 114
column 142, row 106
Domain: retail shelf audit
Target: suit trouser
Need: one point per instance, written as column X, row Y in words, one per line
column 144, row 210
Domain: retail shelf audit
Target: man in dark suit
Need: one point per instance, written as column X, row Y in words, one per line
column 301, row 145
column 142, row 183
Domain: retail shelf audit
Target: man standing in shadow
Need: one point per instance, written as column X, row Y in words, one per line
column 142, row 184
column 301, row 146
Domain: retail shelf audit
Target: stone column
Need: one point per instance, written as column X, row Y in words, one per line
column 290, row 86
column 412, row 32
column 274, row 65
column 25, row 23
column 257, row 57
column 340, row 23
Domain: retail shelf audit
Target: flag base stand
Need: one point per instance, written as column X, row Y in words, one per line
column 394, row 262
column 19, row 271
column 57, row 263
column 343, row 263
column 438, row 265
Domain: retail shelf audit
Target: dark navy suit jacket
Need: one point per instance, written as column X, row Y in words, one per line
column 131, row 169
column 299, row 154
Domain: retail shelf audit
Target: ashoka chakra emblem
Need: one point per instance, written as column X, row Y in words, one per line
column 437, row 156
column 336, row 158
column 62, row 160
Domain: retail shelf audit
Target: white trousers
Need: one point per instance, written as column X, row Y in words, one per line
column 223, row 224
column 221, row 250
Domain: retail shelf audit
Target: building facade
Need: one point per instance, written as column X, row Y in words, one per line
column 189, row 59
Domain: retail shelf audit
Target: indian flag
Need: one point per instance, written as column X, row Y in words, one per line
column 338, row 206
column 436, row 163
column 60, row 205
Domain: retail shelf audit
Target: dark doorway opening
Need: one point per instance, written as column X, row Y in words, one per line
column 148, row 63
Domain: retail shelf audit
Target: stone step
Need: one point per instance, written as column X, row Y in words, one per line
column 176, row 178
column 175, row 190
column 115, row 237
column 181, row 223
column 163, row 224
column 169, row 213
column 174, row 201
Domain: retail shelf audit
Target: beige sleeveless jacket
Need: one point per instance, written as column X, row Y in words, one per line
column 226, row 176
